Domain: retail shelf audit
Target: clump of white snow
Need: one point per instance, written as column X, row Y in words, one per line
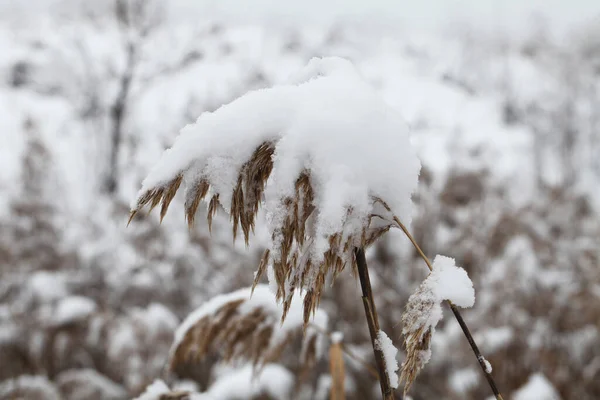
column 538, row 387
column 185, row 385
column 335, row 124
column 73, row 309
column 449, row 282
column 384, row 343
column 154, row 391
column 272, row 380
column 488, row 365
column 337, row 337
column 445, row 282
column 158, row 390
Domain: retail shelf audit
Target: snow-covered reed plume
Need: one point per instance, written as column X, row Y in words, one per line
column 424, row 311
column 322, row 154
column 239, row 325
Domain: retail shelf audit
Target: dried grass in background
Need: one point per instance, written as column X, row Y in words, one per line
column 241, row 329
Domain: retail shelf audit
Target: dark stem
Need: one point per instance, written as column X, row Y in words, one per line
column 118, row 113
column 373, row 322
column 480, row 357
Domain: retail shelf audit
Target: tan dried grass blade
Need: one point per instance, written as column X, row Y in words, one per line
column 248, row 192
column 262, row 267
column 192, row 200
column 169, row 194
column 213, row 206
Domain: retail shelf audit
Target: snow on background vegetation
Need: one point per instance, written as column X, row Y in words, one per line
column 507, row 127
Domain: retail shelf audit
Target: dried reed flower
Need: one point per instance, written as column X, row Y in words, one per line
column 417, row 332
column 238, row 326
column 424, row 310
column 294, row 263
column 320, row 154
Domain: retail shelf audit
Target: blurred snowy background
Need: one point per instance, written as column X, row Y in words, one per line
column 503, row 98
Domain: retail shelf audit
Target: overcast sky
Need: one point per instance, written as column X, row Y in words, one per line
column 418, row 12
column 426, row 13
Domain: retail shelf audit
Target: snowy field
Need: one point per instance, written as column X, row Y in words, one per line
column 505, row 122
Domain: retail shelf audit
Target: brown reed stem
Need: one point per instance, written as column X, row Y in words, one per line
column 458, row 316
column 369, row 367
column 337, row 370
column 373, row 322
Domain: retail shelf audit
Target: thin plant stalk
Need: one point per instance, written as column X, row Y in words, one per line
column 373, row 322
column 458, row 316
column 368, row 367
column 337, row 372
